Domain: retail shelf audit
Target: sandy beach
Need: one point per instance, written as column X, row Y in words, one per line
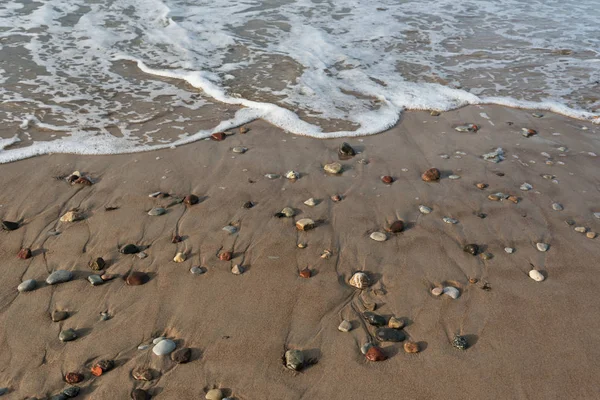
column 526, row 339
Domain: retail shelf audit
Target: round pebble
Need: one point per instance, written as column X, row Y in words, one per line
column 411, row 347
column 536, row 275
column 542, row 246
column 591, row 235
column 27, row 286
column 197, row 270
column 67, row 335
column 379, row 236
column 239, row 150
column 157, row 211
column 509, row 250
column 436, row 291
column 389, row 335
column 580, row 229
column 164, row 347
column 59, row 276
column 214, row 394
column 424, row 209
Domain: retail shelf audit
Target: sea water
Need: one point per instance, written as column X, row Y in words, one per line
column 118, row 76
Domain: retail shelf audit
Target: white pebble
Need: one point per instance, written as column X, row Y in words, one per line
column 509, row 250
column 427, row 210
column 536, row 275
column 379, row 236
column 542, row 246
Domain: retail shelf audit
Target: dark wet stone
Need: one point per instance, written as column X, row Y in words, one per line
column 375, row 354
column 472, row 249
column 136, row 278
column 346, row 151
column 374, row 319
column 10, row 226
column 396, row 227
column 482, row 215
column 139, row 394
column 130, row 249
column 460, row 342
column 98, row 264
column 58, row 316
column 181, row 356
column 68, row 335
column 176, row 239
column 71, row 392
column 294, row 359
column 390, row 335
column 60, row 396
column 191, row 199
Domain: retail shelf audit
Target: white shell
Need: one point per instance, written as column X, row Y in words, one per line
column 359, row 280
column 536, row 275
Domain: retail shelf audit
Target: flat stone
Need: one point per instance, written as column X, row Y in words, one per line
column 591, row 235
column 452, row 292
column 536, row 275
column 239, row 150
column 214, row 394
column 67, row 335
column 580, row 229
column 345, row 326
column 526, row 187
column 59, row 276
column 237, row 269
column 542, row 246
column 333, row 168
column 481, row 186
column 157, row 211
column 449, row 220
column 389, row 335
column 218, row 136
column 137, row 278
column 71, row 392
column 459, row 342
column 509, row 250
column 179, row 257
column 311, row 202
column 305, row 224
column 294, row 359
column 424, row 209
column 130, row 249
column 436, row 291
column 557, row 207
column 494, row 197
column 95, row 280
column 71, row 216
column 378, row 236
column 27, row 286
column 374, row 319
column 359, row 280
column 454, row 177
column 197, row 270
column 230, row 229
column 396, row 323
column 182, row 356
column 10, row 226
column 58, row 316
column 158, row 339
column 164, row 347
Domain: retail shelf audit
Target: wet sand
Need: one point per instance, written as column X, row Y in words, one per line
column 527, row 339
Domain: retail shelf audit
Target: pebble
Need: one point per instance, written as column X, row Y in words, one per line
column 59, row 276
column 435, row 113
column 374, row 319
column 537, row 115
column 389, row 335
column 24, row 254
column 542, row 246
column 237, row 269
column 486, row 256
column 181, row 356
column 396, row 323
column 104, row 316
column 424, row 209
column 333, row 168
column 102, row 366
column 248, row 205
column 137, row 278
column 460, row 342
column 305, row 224
column 536, row 275
column 472, row 249
column 436, row 291
column 494, row 197
column 10, row 226
column 155, row 194
column 580, row 229
column 452, row 292
column 305, row 273
column 359, row 280
column 272, row 176
column 158, row 339
column 164, row 347
column 197, row 270
column 292, row 175
column 449, row 220
column 526, row 186
column 71, row 392
column 513, row 199
column 375, row 354
column 336, row 198
column 73, row 378
column 411, row 347
column 67, row 335
column 83, row 181
column 557, row 207
column 179, row 257
column 95, row 280
column 345, row 326
column 365, row 347
column 346, row 151
column 311, row 202
column 141, row 255
column 294, row 359
column 244, row 130
column 597, row 214
column 239, row 150
column 218, row 136
column 58, row 316
column 454, row 177
column 287, row 212
column 481, row 186
column 396, row 226
column 495, row 156
column 225, row 256
column 528, row 132
column 191, row 199
column 71, row 216
column 140, row 394
column 130, row 249
column 230, row 229
column 379, row 236
column 27, row 286
column 509, row 250
column 387, row 179
column 467, row 128
column 157, row 211
column 431, row 175
column 591, row 235
column 98, row 264
column 214, row 394
column 142, row 374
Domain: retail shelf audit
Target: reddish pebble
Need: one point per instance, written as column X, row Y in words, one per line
column 24, row 254
column 73, row 377
column 136, row 278
column 102, row 366
column 225, row 256
column 387, row 179
column 375, row 354
column 431, row 175
column 191, row 199
column 83, row 181
column 336, row 198
column 107, row 277
column 305, row 273
column 219, row 136
column 396, row 227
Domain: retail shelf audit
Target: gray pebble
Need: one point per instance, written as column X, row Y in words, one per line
column 95, row 280
column 197, row 270
column 345, row 326
column 230, row 229
column 27, row 286
column 157, row 211
column 557, row 207
column 71, row 392
column 294, row 359
column 67, row 335
column 59, row 276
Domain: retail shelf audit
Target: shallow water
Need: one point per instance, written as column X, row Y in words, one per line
column 108, row 76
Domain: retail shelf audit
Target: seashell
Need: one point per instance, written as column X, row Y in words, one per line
column 454, row 177
column 467, row 128
column 157, row 211
column 137, row 278
column 239, row 150
column 375, row 354
column 557, row 207
column 82, row 181
column 359, row 280
column 509, row 250
column 10, row 226
column 346, row 151
column 449, row 220
column 311, row 202
column 591, row 235
column 396, row 323
column 431, row 175
column 336, row 198
column 102, row 366
column 472, row 249
column 243, row 130
column 528, row 132
column 513, row 198
column 580, row 229
column 526, row 186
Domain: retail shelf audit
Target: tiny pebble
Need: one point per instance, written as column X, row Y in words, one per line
column 449, row 220
column 509, row 250
column 536, row 275
column 580, row 229
column 424, row 209
column 436, row 291
column 557, row 207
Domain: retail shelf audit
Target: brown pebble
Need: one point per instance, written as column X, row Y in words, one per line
column 248, row 205
column 136, row 278
column 191, row 199
column 375, row 354
column 305, row 273
column 482, row 186
column 529, row 132
column 336, row 197
column 181, row 356
column 396, row 226
column 243, row 130
column 82, row 181
column 139, row 394
column 219, row 136
column 387, row 179
column 73, row 378
column 431, row 175
column 411, row 347
column 102, row 366
column 494, row 197
column 98, row 264
column 107, row 277
column 225, row 256
column 142, row 374
column 514, row 199
column 591, row 235
column 58, row 316
column 24, row 254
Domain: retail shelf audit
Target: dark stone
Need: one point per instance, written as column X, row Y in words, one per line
column 59, row 315
column 390, row 335
column 181, row 356
column 24, row 254
column 248, row 204
column 374, row 319
column 346, row 151
column 472, row 249
column 68, row 335
column 482, row 215
column 139, row 394
column 387, row 179
column 431, row 175
column 136, row 278
column 460, row 342
column 375, row 354
column 176, row 239
column 10, row 226
column 219, row 136
column 72, row 178
column 191, row 199
column 305, row 273
column 71, row 392
column 130, row 249
column 59, row 396
column 396, row 227
column 98, row 264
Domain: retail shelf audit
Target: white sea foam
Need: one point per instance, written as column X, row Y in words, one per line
column 294, row 63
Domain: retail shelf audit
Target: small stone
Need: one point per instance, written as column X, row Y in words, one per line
column 396, row 323
column 10, row 226
column 570, row 222
column 179, row 257
column 460, row 342
column 472, row 249
column 389, row 335
column 164, row 347
column 292, row 175
column 467, row 128
column 411, row 347
column 272, row 176
column 454, row 177
column 374, row 319
column 176, row 239
column 473, row 281
column 140, row 394
column 326, row 254
column 141, row 255
column 59, row 276
column 214, row 394
column 580, row 229
column 482, row 186
column 98, row 264
column 157, row 211
column 557, row 207
column 243, row 130
column 452, row 292
column 24, row 254
column 346, row 151
column 542, row 246
column 359, row 280
column 526, row 187
column 387, row 179
column 71, row 216
column 494, row 197
column 230, row 229
column 248, row 205
column 333, row 168
column 495, row 156
column 95, row 280
column 130, row 249
column 311, row 202
column 528, row 132
column 71, row 392
column 191, row 199
column 336, row 198
column 424, row 209
column 301, row 245
column 378, row 236
column 58, row 316
column 375, row 354
column 487, row 256
column 287, row 212
column 597, row 215
column 102, row 367
column 142, row 374
column 305, row 224
column 182, row 356
column 218, row 136
column 537, row 115
column 225, row 256
column 365, row 347
column 305, row 273
column 436, row 291
column 27, row 286
column 237, row 269
column 509, row 250
column 431, row 175
column 197, row 270
column 239, row 150
column 83, row 181
column 591, row 235
column 68, row 335
column 345, row 326
column 104, row 316
column 396, row 226
column 73, row 378
column 158, row 340
column 435, row 113
column 294, row 359
column 137, row 278
column 536, row 275
column 449, row 220
column 155, row 194
column 513, row 199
